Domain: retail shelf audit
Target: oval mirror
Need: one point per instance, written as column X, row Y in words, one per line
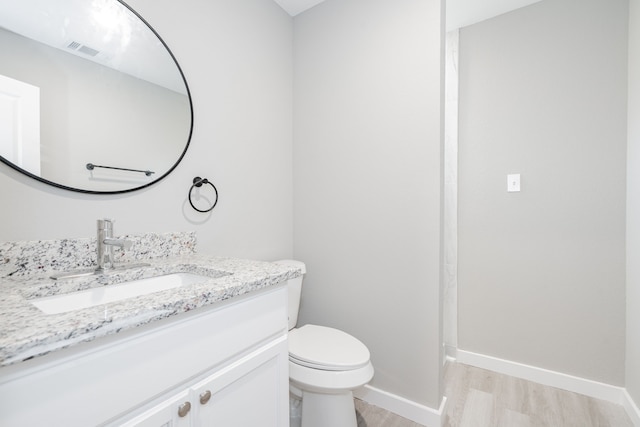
column 91, row 98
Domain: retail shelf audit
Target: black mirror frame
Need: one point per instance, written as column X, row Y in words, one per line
column 79, row 190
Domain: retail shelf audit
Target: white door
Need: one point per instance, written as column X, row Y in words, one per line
column 170, row 413
column 249, row 393
column 20, row 124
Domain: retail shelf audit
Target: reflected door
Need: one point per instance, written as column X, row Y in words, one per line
column 20, row 124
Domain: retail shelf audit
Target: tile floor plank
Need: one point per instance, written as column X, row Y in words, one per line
column 513, row 418
column 478, row 409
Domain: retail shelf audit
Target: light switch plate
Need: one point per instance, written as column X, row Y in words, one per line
column 513, row 182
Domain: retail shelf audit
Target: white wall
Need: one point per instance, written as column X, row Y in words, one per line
column 367, row 181
column 541, row 272
column 633, row 207
column 237, row 59
column 461, row 13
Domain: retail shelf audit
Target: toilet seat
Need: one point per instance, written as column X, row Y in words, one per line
column 327, row 349
column 328, row 382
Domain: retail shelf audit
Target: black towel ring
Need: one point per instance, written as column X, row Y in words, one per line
column 197, row 182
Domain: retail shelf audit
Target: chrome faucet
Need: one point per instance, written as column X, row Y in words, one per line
column 105, row 245
column 104, row 250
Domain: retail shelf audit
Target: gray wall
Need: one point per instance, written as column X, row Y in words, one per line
column 368, row 120
column 541, row 272
column 237, row 59
column 367, row 181
column 633, row 207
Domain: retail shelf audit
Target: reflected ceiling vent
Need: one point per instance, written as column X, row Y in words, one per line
column 83, row 49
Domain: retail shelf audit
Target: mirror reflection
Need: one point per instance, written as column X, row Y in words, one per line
column 88, row 82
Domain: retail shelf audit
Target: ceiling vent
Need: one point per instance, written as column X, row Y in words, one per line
column 83, row 48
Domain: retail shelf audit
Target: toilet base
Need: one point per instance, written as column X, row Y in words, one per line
column 322, row 410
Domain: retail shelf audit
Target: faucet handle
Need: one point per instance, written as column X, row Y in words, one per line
column 121, row 243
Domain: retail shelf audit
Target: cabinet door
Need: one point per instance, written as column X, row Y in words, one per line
column 169, row 413
column 254, row 391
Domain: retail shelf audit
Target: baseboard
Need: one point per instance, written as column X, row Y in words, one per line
column 632, row 409
column 583, row 386
column 450, row 352
column 406, row 408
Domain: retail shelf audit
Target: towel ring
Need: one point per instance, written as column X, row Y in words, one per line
column 198, row 182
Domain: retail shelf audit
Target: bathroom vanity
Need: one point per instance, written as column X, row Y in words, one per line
column 213, row 352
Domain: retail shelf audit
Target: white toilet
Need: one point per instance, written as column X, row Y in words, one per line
column 325, row 366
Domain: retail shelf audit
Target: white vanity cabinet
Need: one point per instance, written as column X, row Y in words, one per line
column 248, row 393
column 231, row 356
column 165, row 414
column 245, row 393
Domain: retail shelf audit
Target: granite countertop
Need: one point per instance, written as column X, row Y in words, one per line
column 26, row 332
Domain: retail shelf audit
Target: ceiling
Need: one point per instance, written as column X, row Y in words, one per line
column 460, row 13
column 294, row 7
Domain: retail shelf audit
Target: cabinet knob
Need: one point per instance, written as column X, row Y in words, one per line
column 204, row 397
column 184, row 409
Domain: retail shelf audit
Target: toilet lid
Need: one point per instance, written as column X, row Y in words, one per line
column 329, row 349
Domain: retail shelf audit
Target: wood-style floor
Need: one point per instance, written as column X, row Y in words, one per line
column 481, row 398
column 372, row 416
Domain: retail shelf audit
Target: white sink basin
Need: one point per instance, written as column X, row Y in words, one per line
column 110, row 293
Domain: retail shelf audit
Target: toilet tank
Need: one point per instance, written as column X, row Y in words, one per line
column 295, row 290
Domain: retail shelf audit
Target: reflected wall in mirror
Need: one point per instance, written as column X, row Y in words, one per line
column 89, row 81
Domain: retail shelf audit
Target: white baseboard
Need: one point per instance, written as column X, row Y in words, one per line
column 632, row 409
column 406, row 408
column 583, row 386
column 431, row 417
column 450, row 352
